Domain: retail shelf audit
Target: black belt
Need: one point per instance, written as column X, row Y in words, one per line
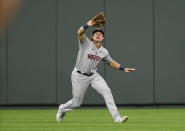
column 90, row 74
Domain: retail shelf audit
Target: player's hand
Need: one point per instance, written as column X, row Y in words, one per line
column 91, row 23
column 129, row 69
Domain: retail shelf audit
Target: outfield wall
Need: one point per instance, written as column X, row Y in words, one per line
column 38, row 51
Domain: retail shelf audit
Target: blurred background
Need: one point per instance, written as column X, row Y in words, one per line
column 38, row 49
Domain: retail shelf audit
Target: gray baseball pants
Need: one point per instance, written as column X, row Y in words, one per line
column 80, row 83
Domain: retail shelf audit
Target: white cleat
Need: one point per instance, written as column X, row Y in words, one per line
column 60, row 114
column 121, row 119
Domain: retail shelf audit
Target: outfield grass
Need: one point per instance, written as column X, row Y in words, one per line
column 93, row 120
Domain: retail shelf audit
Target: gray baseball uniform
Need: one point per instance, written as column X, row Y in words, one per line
column 87, row 61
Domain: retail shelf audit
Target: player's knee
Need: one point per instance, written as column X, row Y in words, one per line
column 77, row 102
column 77, row 105
column 107, row 92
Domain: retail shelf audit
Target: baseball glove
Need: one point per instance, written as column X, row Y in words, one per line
column 99, row 20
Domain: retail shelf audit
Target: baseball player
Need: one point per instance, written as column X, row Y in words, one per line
column 90, row 54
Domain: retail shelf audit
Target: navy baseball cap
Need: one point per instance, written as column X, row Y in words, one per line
column 98, row 30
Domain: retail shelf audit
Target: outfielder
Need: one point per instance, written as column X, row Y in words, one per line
column 91, row 53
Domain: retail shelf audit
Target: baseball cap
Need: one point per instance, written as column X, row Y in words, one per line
column 98, row 30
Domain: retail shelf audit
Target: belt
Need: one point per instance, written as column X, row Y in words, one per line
column 90, row 74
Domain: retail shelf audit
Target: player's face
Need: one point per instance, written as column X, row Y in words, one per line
column 98, row 36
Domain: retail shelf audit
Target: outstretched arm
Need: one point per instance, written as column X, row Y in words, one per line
column 98, row 20
column 81, row 30
column 117, row 66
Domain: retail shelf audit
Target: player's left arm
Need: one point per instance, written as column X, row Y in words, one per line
column 117, row 66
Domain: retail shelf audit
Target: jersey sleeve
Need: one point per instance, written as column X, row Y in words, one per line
column 107, row 59
column 84, row 43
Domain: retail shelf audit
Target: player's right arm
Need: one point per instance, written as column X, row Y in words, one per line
column 112, row 63
column 81, row 30
column 117, row 66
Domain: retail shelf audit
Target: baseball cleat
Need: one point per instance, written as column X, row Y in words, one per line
column 121, row 119
column 60, row 115
column 125, row 118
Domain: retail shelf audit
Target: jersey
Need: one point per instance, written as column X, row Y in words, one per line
column 89, row 56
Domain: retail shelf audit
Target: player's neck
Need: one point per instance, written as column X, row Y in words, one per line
column 97, row 44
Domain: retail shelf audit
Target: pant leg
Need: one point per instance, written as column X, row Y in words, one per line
column 99, row 84
column 80, row 83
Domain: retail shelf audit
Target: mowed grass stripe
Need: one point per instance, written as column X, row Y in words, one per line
column 93, row 120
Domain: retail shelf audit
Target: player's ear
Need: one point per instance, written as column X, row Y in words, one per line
column 91, row 38
column 103, row 38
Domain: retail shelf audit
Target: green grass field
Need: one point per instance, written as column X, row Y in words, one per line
column 92, row 120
